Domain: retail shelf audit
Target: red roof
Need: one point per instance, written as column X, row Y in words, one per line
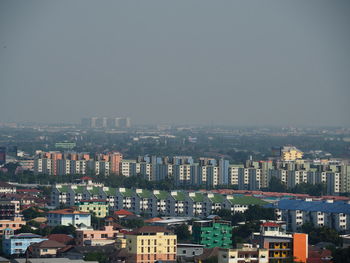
column 270, row 224
column 123, row 212
column 317, row 255
column 154, row 219
column 48, row 244
column 62, row 238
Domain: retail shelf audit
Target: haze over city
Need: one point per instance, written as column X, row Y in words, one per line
column 185, row 62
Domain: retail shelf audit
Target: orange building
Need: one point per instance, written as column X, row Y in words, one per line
column 282, row 246
column 14, row 224
column 115, row 159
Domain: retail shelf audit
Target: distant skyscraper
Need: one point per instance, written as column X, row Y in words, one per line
column 124, row 123
column 105, row 122
column 2, row 155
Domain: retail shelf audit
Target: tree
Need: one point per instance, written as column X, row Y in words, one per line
column 182, row 232
column 25, row 229
column 96, row 222
column 225, row 214
column 133, row 223
column 275, row 185
column 32, row 213
column 96, row 256
column 321, row 234
column 257, row 212
column 241, row 233
column 341, row 255
column 68, row 230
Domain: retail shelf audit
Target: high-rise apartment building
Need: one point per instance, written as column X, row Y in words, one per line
column 105, row 122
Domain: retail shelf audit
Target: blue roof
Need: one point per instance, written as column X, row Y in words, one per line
column 312, row 206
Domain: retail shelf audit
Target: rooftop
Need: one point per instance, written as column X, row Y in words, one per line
column 123, row 212
column 150, row 229
column 68, row 211
column 312, row 206
column 48, row 244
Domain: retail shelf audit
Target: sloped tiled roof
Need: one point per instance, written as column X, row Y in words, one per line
column 180, row 196
column 162, row 195
column 198, row 197
column 48, row 244
column 123, row 212
column 128, row 192
column 61, row 238
column 145, row 193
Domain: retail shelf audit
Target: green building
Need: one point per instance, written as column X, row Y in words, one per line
column 211, row 233
column 96, row 206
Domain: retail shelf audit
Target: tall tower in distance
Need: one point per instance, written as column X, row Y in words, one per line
column 2, row 155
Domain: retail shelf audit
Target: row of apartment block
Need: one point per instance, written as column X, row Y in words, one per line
column 153, row 203
column 333, row 214
column 57, row 163
column 251, row 176
column 205, row 172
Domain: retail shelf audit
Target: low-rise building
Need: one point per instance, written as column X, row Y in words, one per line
column 69, row 216
column 242, row 254
column 282, row 246
column 6, row 188
column 18, row 244
column 46, row 248
column 90, row 237
column 150, row 244
column 14, row 224
column 189, row 250
column 98, row 207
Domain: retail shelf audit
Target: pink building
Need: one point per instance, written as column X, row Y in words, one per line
column 91, row 237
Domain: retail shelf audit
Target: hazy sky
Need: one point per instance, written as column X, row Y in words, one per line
column 192, row 61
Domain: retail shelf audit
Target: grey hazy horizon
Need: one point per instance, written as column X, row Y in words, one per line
column 189, row 62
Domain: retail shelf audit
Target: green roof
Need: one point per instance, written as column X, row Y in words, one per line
column 199, row 197
column 180, row 196
column 95, row 190
column 110, row 191
column 217, row 198
column 145, row 193
column 162, row 195
column 63, row 188
column 127, row 193
column 246, row 200
column 79, row 189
